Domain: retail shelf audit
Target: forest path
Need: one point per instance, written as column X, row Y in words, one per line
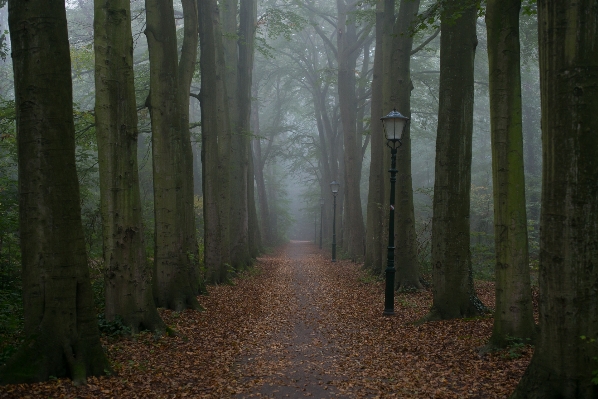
column 321, row 333
column 297, row 325
column 299, row 356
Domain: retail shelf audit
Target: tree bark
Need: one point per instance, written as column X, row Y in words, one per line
column 176, row 279
column 60, row 329
column 256, row 245
column 564, row 362
column 375, row 237
column 128, row 274
column 353, row 234
column 407, row 278
column 259, row 179
column 454, row 294
column 216, row 144
column 248, row 22
column 186, row 69
column 387, row 79
column 247, row 27
column 239, row 217
column 513, row 312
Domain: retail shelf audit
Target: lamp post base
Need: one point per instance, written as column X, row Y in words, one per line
column 388, row 312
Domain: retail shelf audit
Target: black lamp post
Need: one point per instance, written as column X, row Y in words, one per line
column 321, row 217
column 334, row 187
column 394, row 124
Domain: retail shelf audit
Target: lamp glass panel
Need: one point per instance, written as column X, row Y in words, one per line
column 334, row 186
column 394, row 128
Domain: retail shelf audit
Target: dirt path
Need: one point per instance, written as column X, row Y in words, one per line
column 321, row 334
column 298, row 358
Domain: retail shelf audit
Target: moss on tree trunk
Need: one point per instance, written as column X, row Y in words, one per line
column 454, row 294
column 216, row 145
column 61, row 331
column 353, row 230
column 128, row 274
column 565, row 356
column 176, row 278
column 407, row 278
column 247, row 22
column 513, row 311
column 374, row 237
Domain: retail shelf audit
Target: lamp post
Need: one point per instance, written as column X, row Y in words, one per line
column 321, row 217
column 334, row 187
column 394, row 124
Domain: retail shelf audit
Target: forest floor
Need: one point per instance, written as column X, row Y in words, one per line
column 298, row 325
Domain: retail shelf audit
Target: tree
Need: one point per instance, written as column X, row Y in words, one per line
column 216, row 144
column 238, row 43
column 407, row 277
column 348, row 46
column 308, row 79
column 176, row 278
column 239, row 217
column 128, row 275
column 394, row 47
column 260, row 163
column 513, row 312
column 566, row 351
column 61, row 333
column 247, row 32
column 316, row 66
column 375, row 224
column 352, row 37
column 454, row 294
column 280, row 99
column 186, row 69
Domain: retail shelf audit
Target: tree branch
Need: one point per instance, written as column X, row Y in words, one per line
column 428, row 40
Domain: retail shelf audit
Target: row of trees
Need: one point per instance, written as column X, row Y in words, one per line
column 450, row 258
column 563, row 361
column 60, row 322
column 335, row 65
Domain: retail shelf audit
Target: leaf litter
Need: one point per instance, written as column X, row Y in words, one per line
column 299, row 325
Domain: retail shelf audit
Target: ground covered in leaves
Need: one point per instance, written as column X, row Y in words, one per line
column 299, row 325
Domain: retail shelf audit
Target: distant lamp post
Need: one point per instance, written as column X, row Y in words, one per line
column 394, row 124
column 334, row 188
column 321, row 217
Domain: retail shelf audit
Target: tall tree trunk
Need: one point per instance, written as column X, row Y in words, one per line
column 261, row 192
column 408, row 277
column 216, row 144
column 176, row 281
column 353, row 233
column 374, row 244
column 256, row 245
column 239, row 217
column 247, row 31
column 454, row 294
column 532, row 160
column 186, row 69
column 513, row 311
column 60, row 330
column 247, row 27
column 387, row 79
column 272, row 201
column 326, row 159
column 128, row 275
column 565, row 356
